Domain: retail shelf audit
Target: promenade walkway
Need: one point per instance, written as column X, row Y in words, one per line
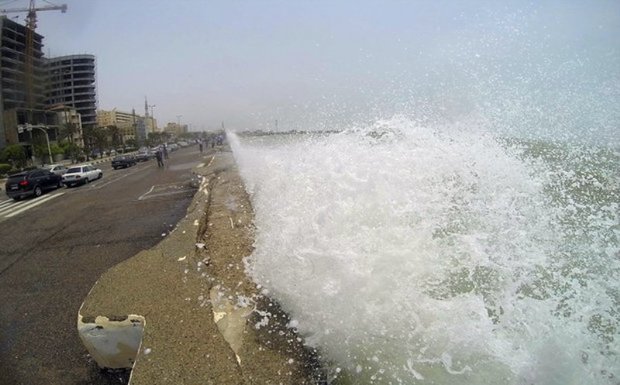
column 184, row 312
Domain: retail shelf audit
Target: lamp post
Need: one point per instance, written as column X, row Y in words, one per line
column 28, row 127
column 178, row 130
column 152, row 118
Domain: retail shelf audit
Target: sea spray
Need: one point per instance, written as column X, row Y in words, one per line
column 416, row 254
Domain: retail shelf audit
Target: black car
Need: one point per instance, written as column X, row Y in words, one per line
column 123, row 161
column 31, row 183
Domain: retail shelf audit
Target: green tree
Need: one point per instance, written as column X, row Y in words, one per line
column 131, row 143
column 115, row 135
column 14, row 154
column 68, row 131
column 94, row 138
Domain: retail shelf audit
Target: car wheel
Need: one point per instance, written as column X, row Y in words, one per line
column 100, row 175
column 86, row 180
column 38, row 191
column 17, row 198
column 60, row 184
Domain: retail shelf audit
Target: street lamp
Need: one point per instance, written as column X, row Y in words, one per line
column 152, row 117
column 28, row 127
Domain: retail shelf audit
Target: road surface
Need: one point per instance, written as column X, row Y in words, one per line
column 54, row 248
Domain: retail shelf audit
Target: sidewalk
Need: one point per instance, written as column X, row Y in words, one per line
column 184, row 312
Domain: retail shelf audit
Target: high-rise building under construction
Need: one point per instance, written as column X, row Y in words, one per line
column 33, row 92
column 17, row 84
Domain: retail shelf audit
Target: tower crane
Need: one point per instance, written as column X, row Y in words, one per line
column 31, row 25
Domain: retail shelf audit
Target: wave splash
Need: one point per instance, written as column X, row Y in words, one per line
column 408, row 254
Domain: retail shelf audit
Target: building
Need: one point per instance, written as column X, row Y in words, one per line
column 40, row 98
column 126, row 122
column 22, row 88
column 71, row 82
column 176, row 129
column 69, row 124
column 131, row 126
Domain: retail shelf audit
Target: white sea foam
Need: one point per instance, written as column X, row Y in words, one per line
column 410, row 254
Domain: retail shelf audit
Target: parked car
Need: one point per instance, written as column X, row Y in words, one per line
column 31, row 183
column 57, row 169
column 123, row 161
column 143, row 156
column 81, row 175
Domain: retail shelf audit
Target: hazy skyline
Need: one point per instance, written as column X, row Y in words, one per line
column 248, row 63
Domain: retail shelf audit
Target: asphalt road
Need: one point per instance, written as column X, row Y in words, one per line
column 54, row 248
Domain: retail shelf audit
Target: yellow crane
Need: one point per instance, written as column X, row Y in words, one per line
column 31, row 25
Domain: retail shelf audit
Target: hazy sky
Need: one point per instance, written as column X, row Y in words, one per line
column 250, row 62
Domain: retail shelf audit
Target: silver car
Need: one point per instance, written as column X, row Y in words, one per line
column 58, row 169
column 81, row 175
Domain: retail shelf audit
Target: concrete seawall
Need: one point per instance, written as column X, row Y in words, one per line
column 184, row 312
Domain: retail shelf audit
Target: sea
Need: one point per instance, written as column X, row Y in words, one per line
column 410, row 252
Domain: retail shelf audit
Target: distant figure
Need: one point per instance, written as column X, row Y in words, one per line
column 160, row 161
column 200, row 145
column 165, row 152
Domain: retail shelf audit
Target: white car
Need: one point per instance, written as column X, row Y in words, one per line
column 81, row 175
column 57, row 169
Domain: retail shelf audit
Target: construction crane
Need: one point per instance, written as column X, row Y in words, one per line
column 31, row 25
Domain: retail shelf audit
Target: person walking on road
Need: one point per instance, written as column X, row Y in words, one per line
column 160, row 160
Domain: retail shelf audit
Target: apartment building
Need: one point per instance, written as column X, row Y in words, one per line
column 131, row 125
column 71, row 82
column 176, row 129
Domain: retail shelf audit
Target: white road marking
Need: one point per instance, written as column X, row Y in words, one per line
column 146, row 193
column 8, row 202
column 160, row 190
column 10, row 205
column 31, row 204
column 211, row 161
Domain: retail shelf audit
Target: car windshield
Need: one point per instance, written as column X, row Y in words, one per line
column 74, row 170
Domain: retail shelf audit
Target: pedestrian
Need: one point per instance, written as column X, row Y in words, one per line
column 200, row 145
column 160, row 161
column 165, row 152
